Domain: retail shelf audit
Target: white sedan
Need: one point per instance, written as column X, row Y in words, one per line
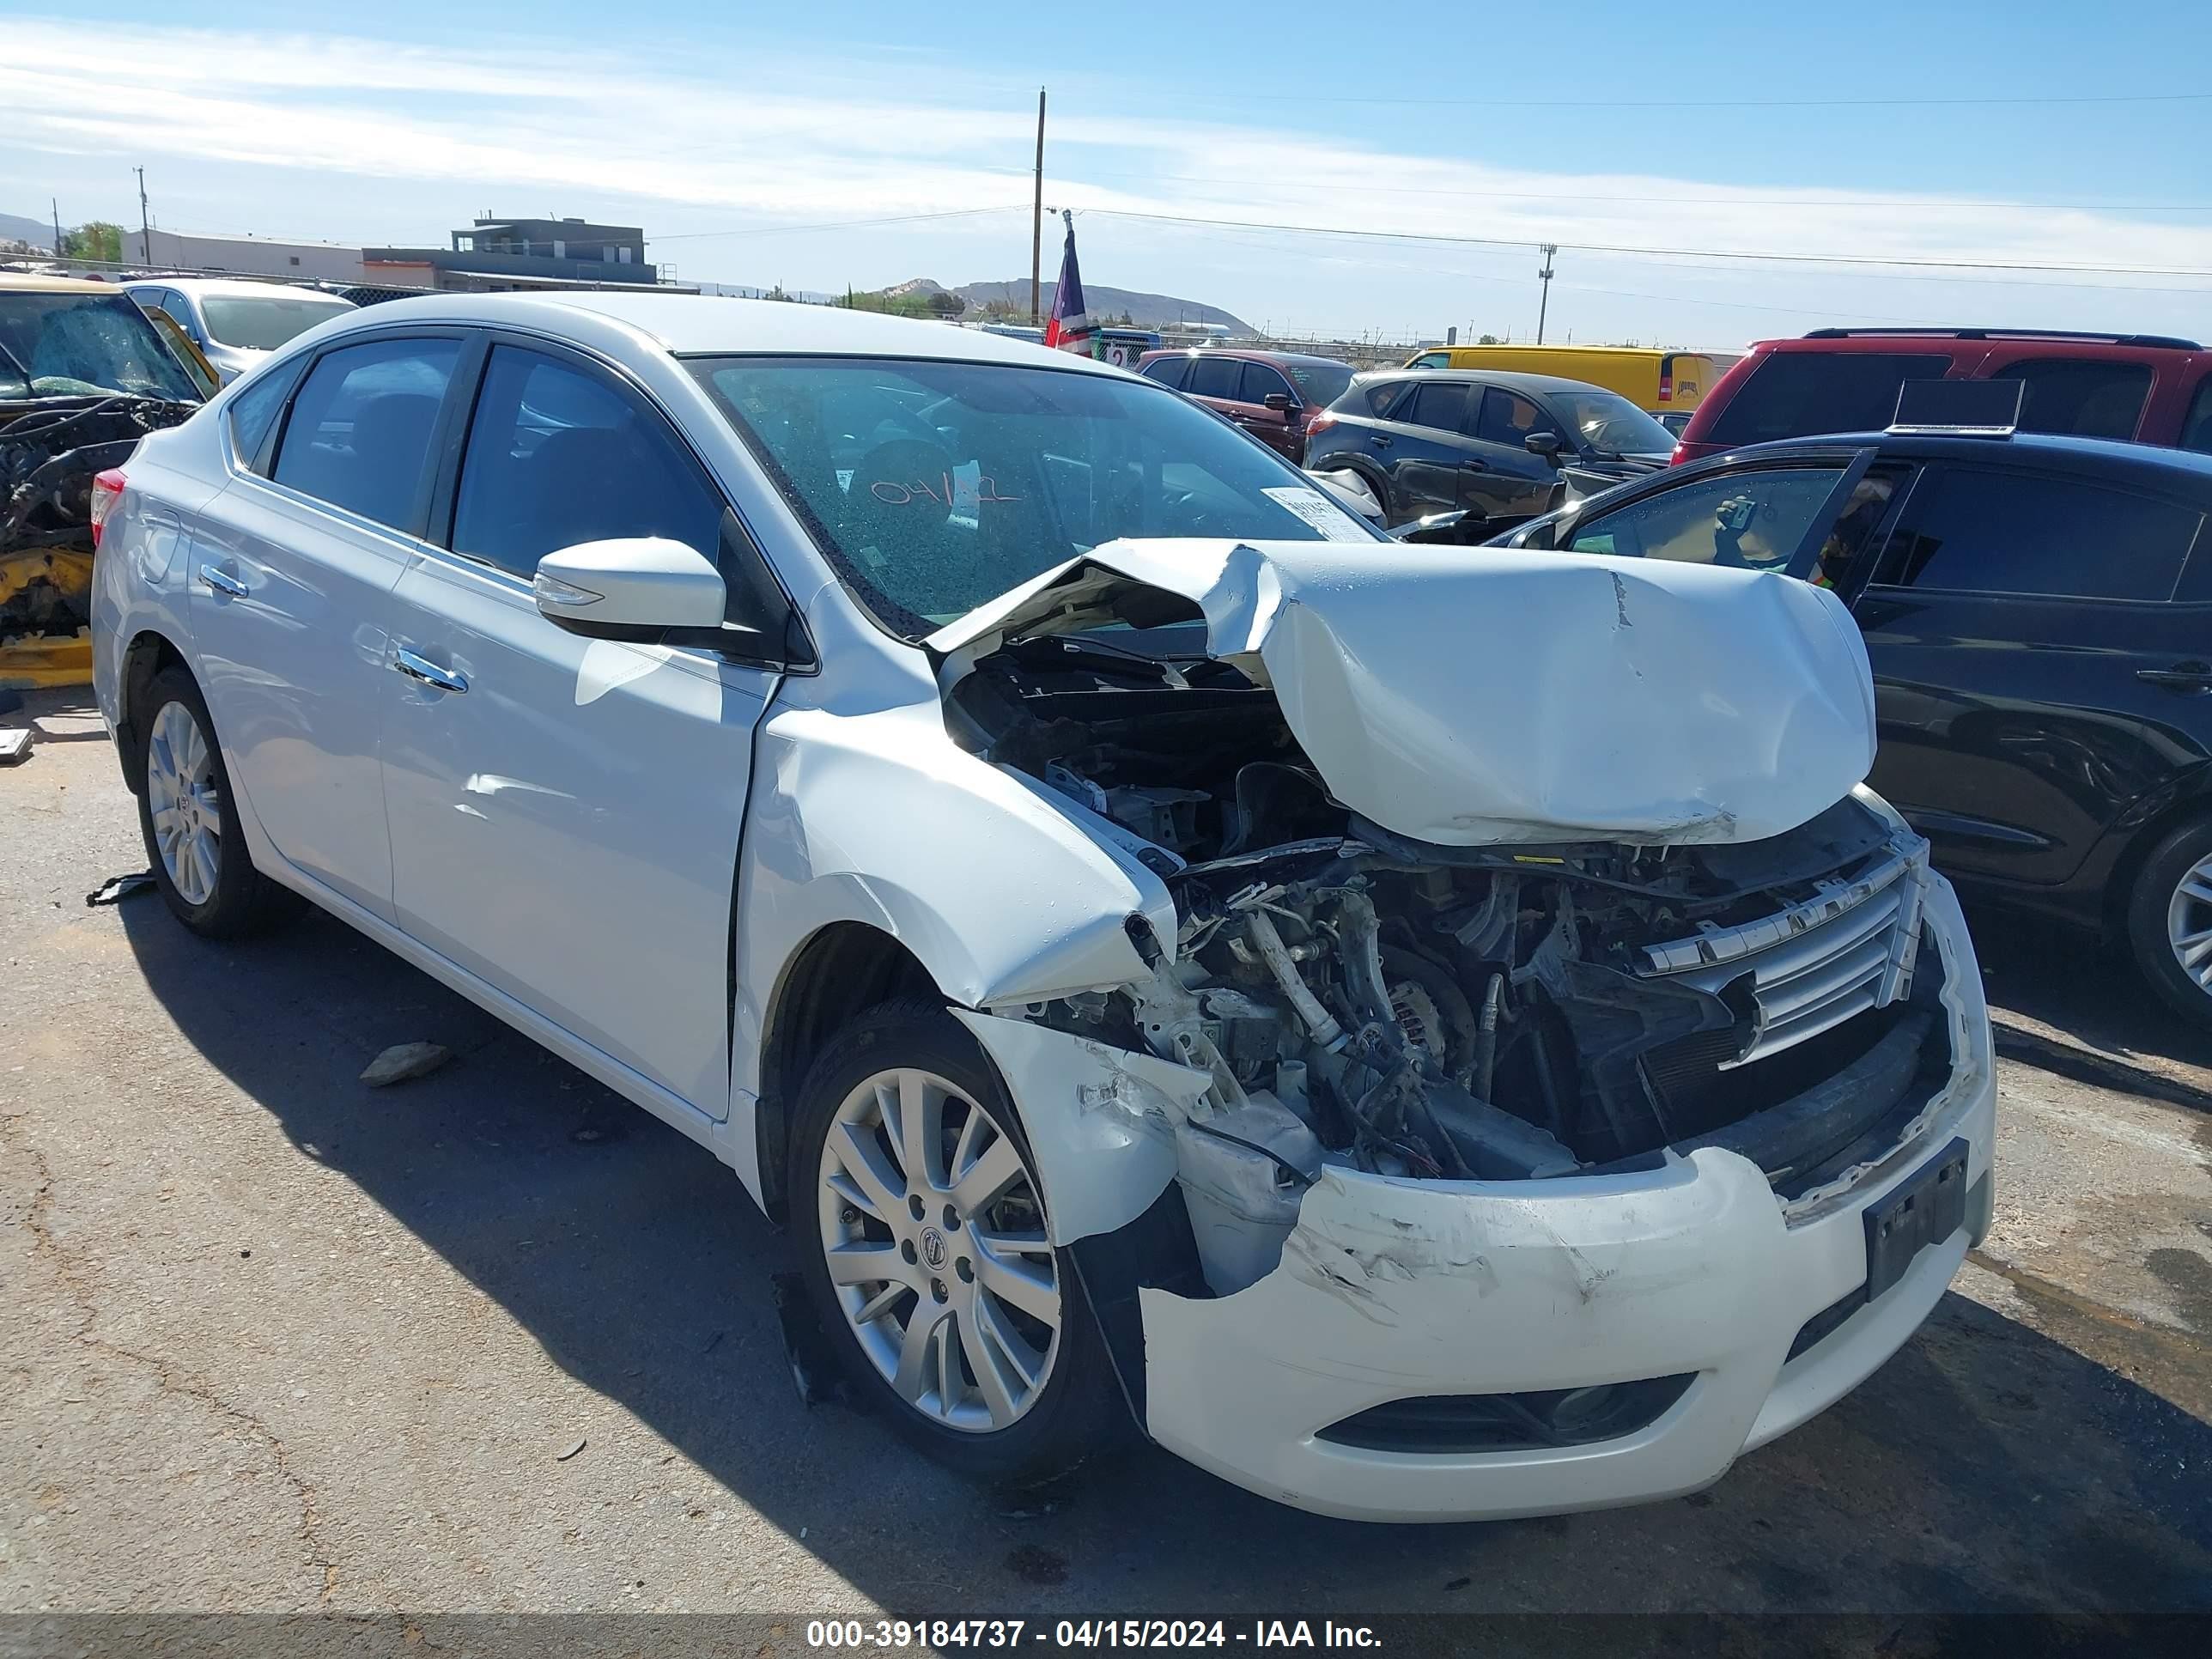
column 1426, row 1033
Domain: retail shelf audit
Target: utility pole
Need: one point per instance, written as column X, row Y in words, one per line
column 1036, row 220
column 145, row 225
column 1543, row 304
column 57, row 203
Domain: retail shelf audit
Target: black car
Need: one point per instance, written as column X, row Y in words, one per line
column 1438, row 440
column 2037, row 611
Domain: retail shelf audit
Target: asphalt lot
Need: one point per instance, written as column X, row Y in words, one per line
column 277, row 1342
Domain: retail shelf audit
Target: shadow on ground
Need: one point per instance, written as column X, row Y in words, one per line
column 1986, row 1466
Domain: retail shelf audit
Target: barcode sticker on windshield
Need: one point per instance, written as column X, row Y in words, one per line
column 1334, row 522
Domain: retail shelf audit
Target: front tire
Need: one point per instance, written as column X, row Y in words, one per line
column 920, row 1228
column 2170, row 920
column 190, row 821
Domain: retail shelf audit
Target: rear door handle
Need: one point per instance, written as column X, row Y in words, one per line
column 222, row 582
column 2182, row 677
column 422, row 668
column 1380, row 440
column 1475, row 467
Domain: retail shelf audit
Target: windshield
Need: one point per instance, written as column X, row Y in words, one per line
column 264, row 322
column 74, row 345
column 1320, row 384
column 1607, row 422
column 933, row 487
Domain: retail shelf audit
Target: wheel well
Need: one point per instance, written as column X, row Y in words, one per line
column 843, row 971
column 143, row 657
column 2119, row 885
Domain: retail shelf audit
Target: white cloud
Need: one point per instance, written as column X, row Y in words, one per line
column 548, row 118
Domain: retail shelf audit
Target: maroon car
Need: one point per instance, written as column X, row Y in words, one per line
column 1271, row 394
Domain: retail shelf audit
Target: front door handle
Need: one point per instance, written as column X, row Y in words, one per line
column 422, row 668
column 2182, row 677
column 222, row 582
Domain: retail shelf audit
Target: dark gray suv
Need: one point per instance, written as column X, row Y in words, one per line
column 1437, row 441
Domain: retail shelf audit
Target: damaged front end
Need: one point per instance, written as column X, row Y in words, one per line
column 51, row 448
column 1352, row 997
column 1543, row 1153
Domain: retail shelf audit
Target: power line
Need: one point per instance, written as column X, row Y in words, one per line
column 1656, row 253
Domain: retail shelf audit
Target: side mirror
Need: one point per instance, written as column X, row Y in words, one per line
column 1462, row 527
column 630, row 588
column 1546, row 444
column 1277, row 401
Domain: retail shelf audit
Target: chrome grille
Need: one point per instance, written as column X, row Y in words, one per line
column 1848, row 948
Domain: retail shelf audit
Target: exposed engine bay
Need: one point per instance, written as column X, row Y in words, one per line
column 49, row 448
column 1504, row 1012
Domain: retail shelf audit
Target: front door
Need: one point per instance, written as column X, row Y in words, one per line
column 565, row 811
column 1513, row 483
column 292, row 604
column 2034, row 670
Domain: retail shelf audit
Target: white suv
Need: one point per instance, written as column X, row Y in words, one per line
column 1433, row 1033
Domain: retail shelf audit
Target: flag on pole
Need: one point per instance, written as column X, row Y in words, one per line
column 1069, row 327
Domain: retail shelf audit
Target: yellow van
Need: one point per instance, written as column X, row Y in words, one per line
column 1658, row 382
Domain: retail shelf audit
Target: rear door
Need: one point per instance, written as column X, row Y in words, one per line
column 1218, row 382
column 2036, row 669
column 565, row 811
column 293, row 569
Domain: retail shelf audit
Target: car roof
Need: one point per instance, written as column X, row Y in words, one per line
column 227, row 286
column 2112, row 457
column 1512, row 380
column 24, row 282
column 2056, row 342
column 688, row 324
column 1253, row 353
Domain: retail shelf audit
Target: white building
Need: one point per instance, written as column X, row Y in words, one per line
column 246, row 256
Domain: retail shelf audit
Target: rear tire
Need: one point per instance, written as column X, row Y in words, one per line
column 190, row 821
column 2170, row 920
column 1008, row 1378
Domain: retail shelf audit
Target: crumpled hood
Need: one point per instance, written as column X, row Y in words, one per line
column 1465, row 697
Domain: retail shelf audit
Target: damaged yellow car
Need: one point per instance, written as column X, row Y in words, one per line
column 84, row 373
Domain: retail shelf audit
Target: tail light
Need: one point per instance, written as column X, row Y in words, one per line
column 106, row 490
column 1677, row 457
column 1319, row 423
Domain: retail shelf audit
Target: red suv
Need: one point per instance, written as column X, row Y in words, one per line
column 2150, row 387
column 1271, row 394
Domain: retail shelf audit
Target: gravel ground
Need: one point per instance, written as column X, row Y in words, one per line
column 276, row 1341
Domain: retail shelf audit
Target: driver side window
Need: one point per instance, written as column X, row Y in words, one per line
column 1755, row 518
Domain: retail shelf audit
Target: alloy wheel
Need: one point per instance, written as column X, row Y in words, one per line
column 2189, row 923
column 932, row 1229
column 185, row 803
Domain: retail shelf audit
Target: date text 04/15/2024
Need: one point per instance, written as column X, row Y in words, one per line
column 955, row 1634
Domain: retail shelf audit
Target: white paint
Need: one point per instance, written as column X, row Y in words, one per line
column 1487, row 695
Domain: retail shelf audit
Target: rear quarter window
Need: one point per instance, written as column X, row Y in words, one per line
column 1796, row 394
column 2080, row 396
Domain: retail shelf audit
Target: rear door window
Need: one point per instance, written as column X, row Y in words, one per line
column 1985, row 531
column 1439, row 405
column 1214, row 377
column 2073, row 395
column 360, row 431
column 1795, row 394
column 1167, row 371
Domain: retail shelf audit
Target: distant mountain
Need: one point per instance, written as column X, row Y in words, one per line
column 1146, row 310
column 39, row 233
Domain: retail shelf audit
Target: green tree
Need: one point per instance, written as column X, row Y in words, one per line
column 97, row 240
column 1489, row 339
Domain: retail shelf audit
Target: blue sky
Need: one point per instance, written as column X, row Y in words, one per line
column 725, row 131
